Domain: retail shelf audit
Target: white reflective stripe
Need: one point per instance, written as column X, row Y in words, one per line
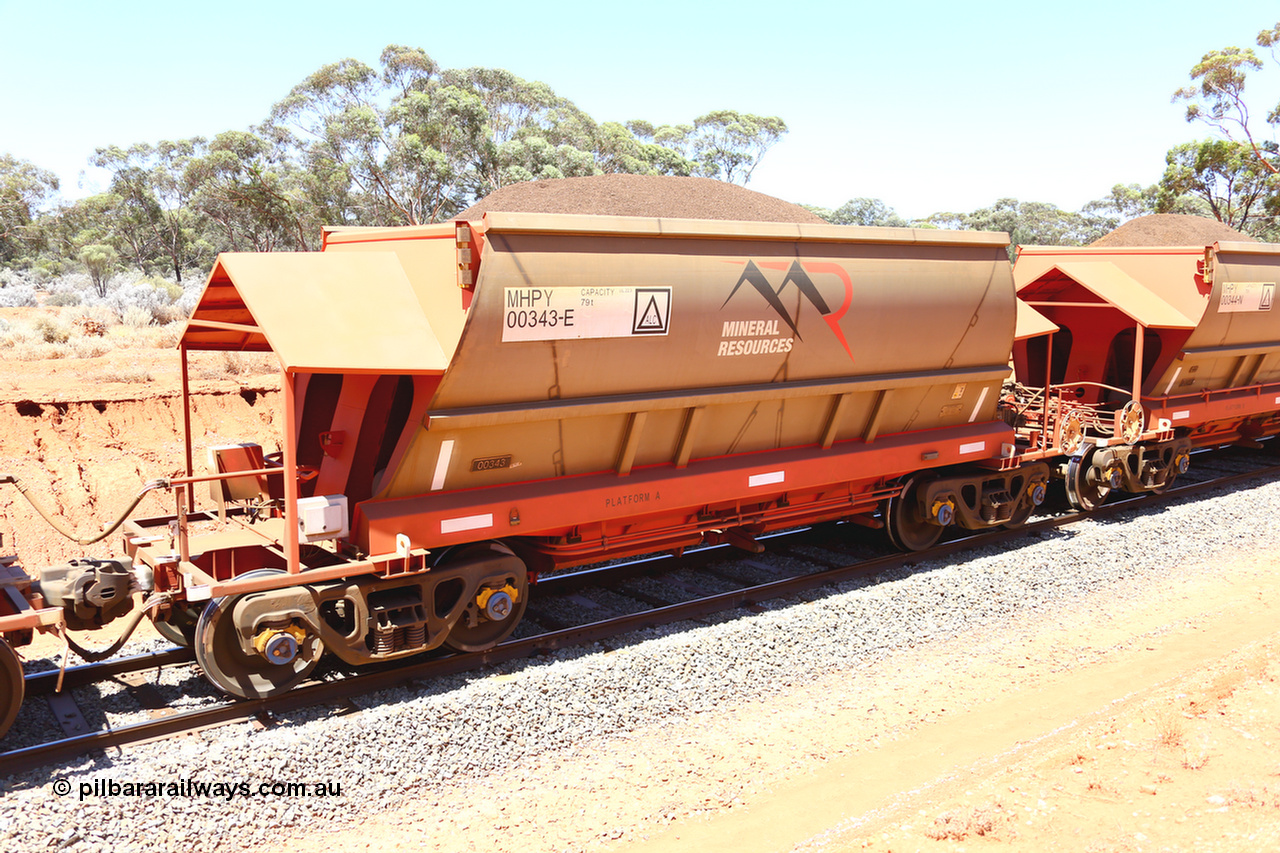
column 978, row 405
column 467, row 522
column 1176, row 374
column 766, row 479
column 1278, row 401
column 442, row 465
column 1182, row 416
column 973, row 447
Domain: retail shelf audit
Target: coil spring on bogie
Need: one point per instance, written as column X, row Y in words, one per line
column 389, row 638
column 384, row 639
column 997, row 507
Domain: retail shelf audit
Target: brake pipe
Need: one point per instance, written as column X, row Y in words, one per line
column 66, row 531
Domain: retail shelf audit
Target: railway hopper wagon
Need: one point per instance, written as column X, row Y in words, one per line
column 1148, row 353
column 473, row 403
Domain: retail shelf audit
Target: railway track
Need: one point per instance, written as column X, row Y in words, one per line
column 567, row 609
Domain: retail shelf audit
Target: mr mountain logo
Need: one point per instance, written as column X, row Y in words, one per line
column 735, row 334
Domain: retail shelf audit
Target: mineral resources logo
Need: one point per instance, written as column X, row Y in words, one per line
column 753, row 337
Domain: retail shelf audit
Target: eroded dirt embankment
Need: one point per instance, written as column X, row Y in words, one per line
column 87, row 460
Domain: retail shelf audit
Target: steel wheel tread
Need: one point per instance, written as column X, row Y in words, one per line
column 12, row 687
column 180, row 629
column 907, row 531
column 1081, row 493
column 227, row 666
column 486, row 633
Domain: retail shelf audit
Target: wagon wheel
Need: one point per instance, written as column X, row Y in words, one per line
column 494, row 612
column 230, row 669
column 907, row 529
column 180, row 628
column 11, row 686
column 1085, row 489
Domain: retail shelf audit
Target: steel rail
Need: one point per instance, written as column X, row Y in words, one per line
column 343, row 689
column 46, row 681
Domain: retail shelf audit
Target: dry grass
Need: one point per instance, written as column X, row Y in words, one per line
column 130, row 375
column 1252, row 796
column 984, row 822
column 232, row 365
column 79, row 332
column 33, row 351
column 1095, row 784
column 1171, row 731
column 1196, row 759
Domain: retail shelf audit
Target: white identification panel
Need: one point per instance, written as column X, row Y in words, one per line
column 562, row 313
column 1246, row 296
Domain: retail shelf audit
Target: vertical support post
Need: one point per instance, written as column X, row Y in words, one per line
column 685, row 448
column 293, row 562
column 183, row 491
column 1137, row 364
column 186, row 425
column 836, row 414
column 877, row 410
column 631, row 443
column 1048, row 377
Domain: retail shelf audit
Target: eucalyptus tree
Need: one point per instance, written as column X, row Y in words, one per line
column 1216, row 95
column 722, row 144
column 24, row 189
column 392, row 148
column 862, row 211
column 151, row 219
column 1030, row 223
column 730, row 144
column 1237, row 187
column 252, row 196
column 100, row 261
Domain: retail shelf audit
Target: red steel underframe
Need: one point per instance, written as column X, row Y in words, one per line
column 657, row 502
column 1206, row 409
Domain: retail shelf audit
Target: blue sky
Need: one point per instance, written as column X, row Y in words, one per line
column 927, row 105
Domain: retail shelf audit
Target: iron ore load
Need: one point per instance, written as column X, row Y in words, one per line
column 474, row 403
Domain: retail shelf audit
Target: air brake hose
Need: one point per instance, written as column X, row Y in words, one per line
column 135, row 618
column 57, row 525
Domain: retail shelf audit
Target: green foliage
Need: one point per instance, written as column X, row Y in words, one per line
column 405, row 142
column 862, row 211
column 1125, row 201
column 1216, row 95
column 23, row 189
column 100, row 261
column 722, row 144
column 1226, row 177
column 1030, row 223
column 249, row 195
column 150, row 220
column 171, row 290
column 729, row 144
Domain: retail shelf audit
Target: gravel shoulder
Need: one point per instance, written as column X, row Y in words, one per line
column 1127, row 721
column 1019, row 697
